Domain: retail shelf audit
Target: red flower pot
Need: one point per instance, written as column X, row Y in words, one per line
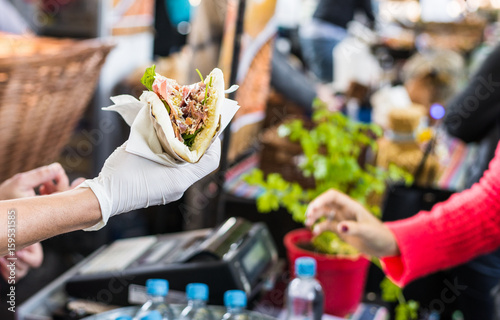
column 343, row 279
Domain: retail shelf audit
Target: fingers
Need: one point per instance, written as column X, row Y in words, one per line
column 47, row 188
column 61, row 181
column 76, row 182
column 328, row 202
column 27, row 258
column 4, row 269
column 356, row 234
column 327, row 225
column 347, row 228
column 21, row 269
column 350, row 228
column 31, row 255
column 42, row 175
column 374, row 239
column 215, row 148
column 210, row 160
column 62, row 184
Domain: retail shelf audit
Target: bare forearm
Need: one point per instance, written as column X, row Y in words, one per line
column 39, row 218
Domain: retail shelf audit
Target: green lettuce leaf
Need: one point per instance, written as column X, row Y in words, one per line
column 149, row 77
column 189, row 138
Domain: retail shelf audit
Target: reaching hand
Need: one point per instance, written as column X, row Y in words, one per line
column 352, row 222
column 50, row 179
column 29, row 257
column 128, row 182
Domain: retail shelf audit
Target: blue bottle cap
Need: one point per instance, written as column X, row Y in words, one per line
column 197, row 291
column 157, row 287
column 153, row 315
column 305, row 267
column 235, row 299
column 124, row 318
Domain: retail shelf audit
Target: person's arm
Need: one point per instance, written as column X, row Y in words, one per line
column 291, row 83
column 39, row 218
column 457, row 230
column 27, row 258
column 473, row 111
column 126, row 182
column 48, row 179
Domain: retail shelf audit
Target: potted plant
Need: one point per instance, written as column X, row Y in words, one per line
column 334, row 154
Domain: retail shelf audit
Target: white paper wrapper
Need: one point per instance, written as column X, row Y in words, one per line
column 143, row 140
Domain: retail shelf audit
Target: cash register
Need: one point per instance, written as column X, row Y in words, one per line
column 233, row 256
column 236, row 255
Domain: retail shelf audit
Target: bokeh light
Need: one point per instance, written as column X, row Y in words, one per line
column 437, row 111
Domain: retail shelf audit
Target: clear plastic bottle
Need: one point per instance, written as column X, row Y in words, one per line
column 304, row 297
column 235, row 302
column 435, row 316
column 152, row 315
column 157, row 290
column 197, row 296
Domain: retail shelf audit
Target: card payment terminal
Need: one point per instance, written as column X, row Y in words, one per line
column 236, row 255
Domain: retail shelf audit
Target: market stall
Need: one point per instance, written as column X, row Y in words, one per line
column 348, row 133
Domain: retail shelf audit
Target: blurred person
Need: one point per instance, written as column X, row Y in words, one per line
column 297, row 87
column 27, row 258
column 455, row 231
column 48, row 179
column 325, row 30
column 125, row 183
column 473, row 115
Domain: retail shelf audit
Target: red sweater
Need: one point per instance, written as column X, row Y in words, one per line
column 453, row 232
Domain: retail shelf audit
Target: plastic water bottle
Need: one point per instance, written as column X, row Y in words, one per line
column 197, row 296
column 235, row 302
column 157, row 290
column 123, row 318
column 435, row 316
column 152, row 315
column 304, row 297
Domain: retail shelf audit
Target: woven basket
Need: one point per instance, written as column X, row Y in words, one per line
column 280, row 155
column 44, row 91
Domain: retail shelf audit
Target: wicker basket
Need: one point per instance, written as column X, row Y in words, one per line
column 280, row 155
column 44, row 91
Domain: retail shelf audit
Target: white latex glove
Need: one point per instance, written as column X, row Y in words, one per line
column 128, row 182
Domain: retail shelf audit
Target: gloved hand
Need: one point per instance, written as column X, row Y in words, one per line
column 128, row 182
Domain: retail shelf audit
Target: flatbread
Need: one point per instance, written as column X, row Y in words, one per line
column 163, row 125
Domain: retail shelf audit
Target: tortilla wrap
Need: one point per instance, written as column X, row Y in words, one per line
column 163, row 125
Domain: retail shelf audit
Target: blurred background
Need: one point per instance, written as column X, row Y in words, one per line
column 396, row 64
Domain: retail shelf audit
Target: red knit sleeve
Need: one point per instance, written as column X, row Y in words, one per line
column 453, row 232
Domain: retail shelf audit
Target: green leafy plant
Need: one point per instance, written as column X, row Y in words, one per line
column 392, row 293
column 333, row 151
column 405, row 309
